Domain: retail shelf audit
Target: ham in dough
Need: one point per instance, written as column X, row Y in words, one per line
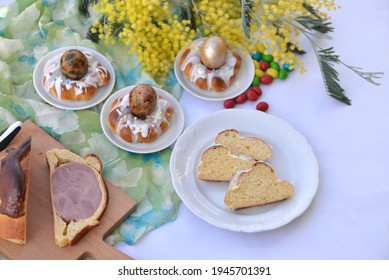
column 76, row 191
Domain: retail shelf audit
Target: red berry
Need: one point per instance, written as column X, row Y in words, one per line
column 241, row 99
column 266, row 79
column 264, row 65
column 262, row 106
column 252, row 95
column 257, row 90
column 230, row 103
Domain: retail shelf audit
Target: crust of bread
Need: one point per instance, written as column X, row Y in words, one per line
column 255, row 187
column 14, row 229
column 219, row 165
column 250, row 146
column 70, row 233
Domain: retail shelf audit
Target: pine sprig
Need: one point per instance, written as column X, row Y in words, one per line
column 316, row 24
column 247, row 10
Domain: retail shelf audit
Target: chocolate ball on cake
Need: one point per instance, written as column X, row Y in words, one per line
column 74, row 64
column 213, row 52
column 143, row 100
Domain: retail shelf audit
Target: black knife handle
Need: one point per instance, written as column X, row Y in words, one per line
column 9, row 134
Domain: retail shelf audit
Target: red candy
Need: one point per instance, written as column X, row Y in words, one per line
column 266, row 79
column 241, row 99
column 252, row 95
column 263, row 65
column 228, row 104
column 262, row 106
column 257, row 90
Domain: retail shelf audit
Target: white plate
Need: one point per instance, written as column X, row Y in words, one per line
column 101, row 93
column 242, row 81
column 293, row 160
column 166, row 139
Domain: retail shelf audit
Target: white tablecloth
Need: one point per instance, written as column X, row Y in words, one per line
column 349, row 216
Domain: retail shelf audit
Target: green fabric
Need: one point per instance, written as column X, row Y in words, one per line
column 28, row 31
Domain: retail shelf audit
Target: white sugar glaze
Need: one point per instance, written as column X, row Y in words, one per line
column 136, row 125
column 199, row 70
column 54, row 77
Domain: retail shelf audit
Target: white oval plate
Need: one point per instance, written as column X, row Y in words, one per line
column 163, row 141
column 101, row 93
column 293, row 160
column 242, row 81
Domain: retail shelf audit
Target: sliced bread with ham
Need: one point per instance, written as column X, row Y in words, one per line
column 78, row 193
column 255, row 187
column 14, row 188
column 219, row 165
column 251, row 146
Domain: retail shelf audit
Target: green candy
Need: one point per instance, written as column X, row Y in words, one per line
column 275, row 65
column 283, row 74
column 256, row 81
column 267, row 57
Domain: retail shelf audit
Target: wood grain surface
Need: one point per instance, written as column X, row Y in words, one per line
column 40, row 243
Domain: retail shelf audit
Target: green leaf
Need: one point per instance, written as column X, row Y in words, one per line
column 247, row 6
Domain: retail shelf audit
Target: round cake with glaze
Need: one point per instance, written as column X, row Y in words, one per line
column 206, row 78
column 74, row 75
column 135, row 128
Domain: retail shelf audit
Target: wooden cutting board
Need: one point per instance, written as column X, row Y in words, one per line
column 40, row 243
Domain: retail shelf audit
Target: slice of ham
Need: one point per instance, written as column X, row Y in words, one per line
column 76, row 191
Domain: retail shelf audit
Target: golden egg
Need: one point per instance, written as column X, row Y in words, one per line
column 213, row 52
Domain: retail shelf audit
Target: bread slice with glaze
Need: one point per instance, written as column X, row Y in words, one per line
column 256, row 186
column 219, row 165
column 74, row 214
column 251, row 146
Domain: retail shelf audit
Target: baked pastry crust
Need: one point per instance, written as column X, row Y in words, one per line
column 70, row 232
column 13, row 221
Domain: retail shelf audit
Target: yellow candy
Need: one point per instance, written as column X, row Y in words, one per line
column 260, row 48
column 259, row 73
column 256, row 63
column 272, row 72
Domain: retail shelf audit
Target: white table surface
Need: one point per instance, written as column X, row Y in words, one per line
column 349, row 217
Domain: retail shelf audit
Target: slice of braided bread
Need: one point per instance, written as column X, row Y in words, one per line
column 251, row 146
column 219, row 165
column 255, row 187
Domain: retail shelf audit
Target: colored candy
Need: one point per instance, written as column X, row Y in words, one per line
column 228, row 104
column 252, row 95
column 272, row 72
column 263, row 65
column 287, row 67
column 256, row 81
column 275, row 65
column 256, row 64
column 267, row 57
column 241, row 99
column 262, row 106
column 283, row 74
column 260, row 48
column 266, row 79
column 257, row 90
column 256, row 56
column 259, row 72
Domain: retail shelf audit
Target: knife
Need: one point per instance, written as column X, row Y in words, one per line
column 7, row 135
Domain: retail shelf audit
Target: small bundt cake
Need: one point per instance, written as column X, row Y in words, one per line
column 74, row 75
column 204, row 77
column 140, row 115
